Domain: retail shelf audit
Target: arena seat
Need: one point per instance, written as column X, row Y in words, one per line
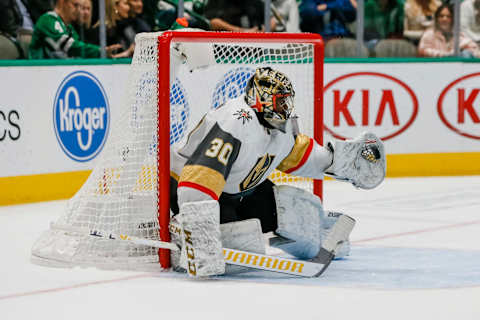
column 8, row 49
column 395, row 48
column 344, row 48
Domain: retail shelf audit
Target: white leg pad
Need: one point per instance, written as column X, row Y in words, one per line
column 201, row 253
column 300, row 218
column 243, row 235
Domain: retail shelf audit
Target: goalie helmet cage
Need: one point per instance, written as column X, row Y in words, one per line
column 127, row 191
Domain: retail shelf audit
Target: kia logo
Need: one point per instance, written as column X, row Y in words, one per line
column 368, row 101
column 459, row 106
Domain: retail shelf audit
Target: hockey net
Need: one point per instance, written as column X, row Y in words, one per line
column 127, row 191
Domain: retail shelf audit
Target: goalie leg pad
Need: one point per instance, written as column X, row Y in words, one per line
column 360, row 161
column 300, row 218
column 245, row 235
column 201, row 253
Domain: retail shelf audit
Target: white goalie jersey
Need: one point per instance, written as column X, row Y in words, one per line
column 231, row 151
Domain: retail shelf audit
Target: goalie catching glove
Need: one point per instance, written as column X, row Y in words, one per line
column 360, row 161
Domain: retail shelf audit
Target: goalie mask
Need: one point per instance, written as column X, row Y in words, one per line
column 271, row 94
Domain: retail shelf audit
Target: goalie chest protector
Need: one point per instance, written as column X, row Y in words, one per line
column 231, row 141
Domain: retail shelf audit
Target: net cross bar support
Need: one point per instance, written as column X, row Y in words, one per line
column 165, row 41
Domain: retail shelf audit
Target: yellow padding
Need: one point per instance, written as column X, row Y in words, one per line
column 279, row 177
column 41, row 187
column 433, row 164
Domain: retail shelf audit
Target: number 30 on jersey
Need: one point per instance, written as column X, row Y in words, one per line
column 220, row 150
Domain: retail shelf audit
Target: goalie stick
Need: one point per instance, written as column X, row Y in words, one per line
column 313, row 268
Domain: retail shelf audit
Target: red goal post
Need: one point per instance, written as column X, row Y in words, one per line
column 165, row 41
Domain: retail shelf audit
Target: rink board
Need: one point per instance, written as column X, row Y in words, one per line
column 430, row 120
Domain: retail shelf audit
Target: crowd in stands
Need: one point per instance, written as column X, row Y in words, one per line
column 44, row 29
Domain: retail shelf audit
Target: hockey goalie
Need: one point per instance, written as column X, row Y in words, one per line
column 220, row 192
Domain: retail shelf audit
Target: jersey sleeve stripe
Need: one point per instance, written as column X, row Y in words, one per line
column 299, row 154
column 304, row 158
column 199, row 188
column 206, row 178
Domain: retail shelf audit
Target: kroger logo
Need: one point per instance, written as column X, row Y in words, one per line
column 81, row 116
column 231, row 85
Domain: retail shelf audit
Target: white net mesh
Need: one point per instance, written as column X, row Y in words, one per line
column 120, row 196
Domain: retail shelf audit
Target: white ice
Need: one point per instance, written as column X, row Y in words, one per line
column 415, row 255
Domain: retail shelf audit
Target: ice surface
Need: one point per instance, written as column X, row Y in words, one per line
column 415, row 255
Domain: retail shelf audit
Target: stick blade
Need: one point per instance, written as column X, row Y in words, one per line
column 273, row 263
column 324, row 257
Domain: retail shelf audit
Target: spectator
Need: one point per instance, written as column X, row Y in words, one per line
column 470, row 19
column 126, row 29
column 287, row 15
column 383, row 20
column 116, row 15
column 235, row 15
column 328, row 18
column 83, row 25
column 135, row 23
column 438, row 41
column 194, row 10
column 38, row 7
column 136, row 14
column 25, row 31
column 115, row 11
column 85, row 17
column 418, row 18
column 55, row 37
column 10, row 20
column 16, row 28
column 161, row 15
